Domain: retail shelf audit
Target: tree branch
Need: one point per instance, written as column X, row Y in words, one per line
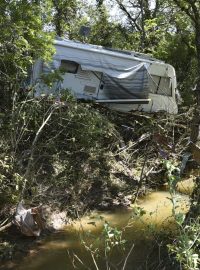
column 133, row 21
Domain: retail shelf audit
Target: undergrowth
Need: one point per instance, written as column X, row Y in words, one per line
column 79, row 156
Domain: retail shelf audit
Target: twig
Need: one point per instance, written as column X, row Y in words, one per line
column 94, row 261
column 126, row 259
column 5, row 226
column 71, row 259
column 147, row 174
column 142, row 138
column 141, row 178
column 78, row 259
column 35, row 141
column 6, row 220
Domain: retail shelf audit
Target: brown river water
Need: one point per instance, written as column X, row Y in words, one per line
column 65, row 250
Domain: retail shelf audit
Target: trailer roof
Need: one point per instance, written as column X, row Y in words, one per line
column 106, row 50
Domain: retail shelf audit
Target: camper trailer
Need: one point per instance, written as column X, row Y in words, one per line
column 122, row 80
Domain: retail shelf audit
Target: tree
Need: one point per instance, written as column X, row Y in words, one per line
column 103, row 30
column 189, row 256
column 64, row 11
column 176, row 47
column 192, row 9
column 144, row 19
column 22, row 40
column 161, row 29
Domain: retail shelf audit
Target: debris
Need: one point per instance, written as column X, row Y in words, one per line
column 185, row 159
column 195, row 150
column 162, row 140
column 29, row 221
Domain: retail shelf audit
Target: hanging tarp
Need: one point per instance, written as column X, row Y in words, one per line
column 123, row 78
column 132, row 85
column 125, row 84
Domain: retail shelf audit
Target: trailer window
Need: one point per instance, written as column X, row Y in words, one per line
column 69, row 66
column 160, row 85
column 154, row 82
column 165, row 87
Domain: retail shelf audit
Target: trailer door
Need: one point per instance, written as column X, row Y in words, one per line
column 84, row 84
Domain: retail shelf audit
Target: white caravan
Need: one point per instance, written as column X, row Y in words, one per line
column 122, row 80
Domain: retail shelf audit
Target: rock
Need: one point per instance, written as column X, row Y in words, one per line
column 57, row 220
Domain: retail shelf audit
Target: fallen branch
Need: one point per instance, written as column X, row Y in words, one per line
column 6, row 226
column 141, row 178
column 141, row 138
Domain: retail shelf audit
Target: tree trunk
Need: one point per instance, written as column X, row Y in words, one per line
column 58, row 19
column 195, row 127
column 194, row 211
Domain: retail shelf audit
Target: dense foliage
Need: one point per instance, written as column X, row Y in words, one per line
column 69, row 146
column 23, row 39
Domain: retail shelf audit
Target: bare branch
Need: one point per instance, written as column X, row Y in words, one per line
column 132, row 20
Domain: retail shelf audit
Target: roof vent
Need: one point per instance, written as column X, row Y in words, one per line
column 84, row 31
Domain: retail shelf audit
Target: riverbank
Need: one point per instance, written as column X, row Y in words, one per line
column 147, row 229
column 76, row 158
column 157, row 222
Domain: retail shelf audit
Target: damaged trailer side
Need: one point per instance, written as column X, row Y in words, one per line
column 121, row 80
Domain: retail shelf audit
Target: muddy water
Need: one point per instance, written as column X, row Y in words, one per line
column 186, row 186
column 64, row 251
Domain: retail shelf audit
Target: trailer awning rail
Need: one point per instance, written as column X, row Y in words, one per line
column 124, row 101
